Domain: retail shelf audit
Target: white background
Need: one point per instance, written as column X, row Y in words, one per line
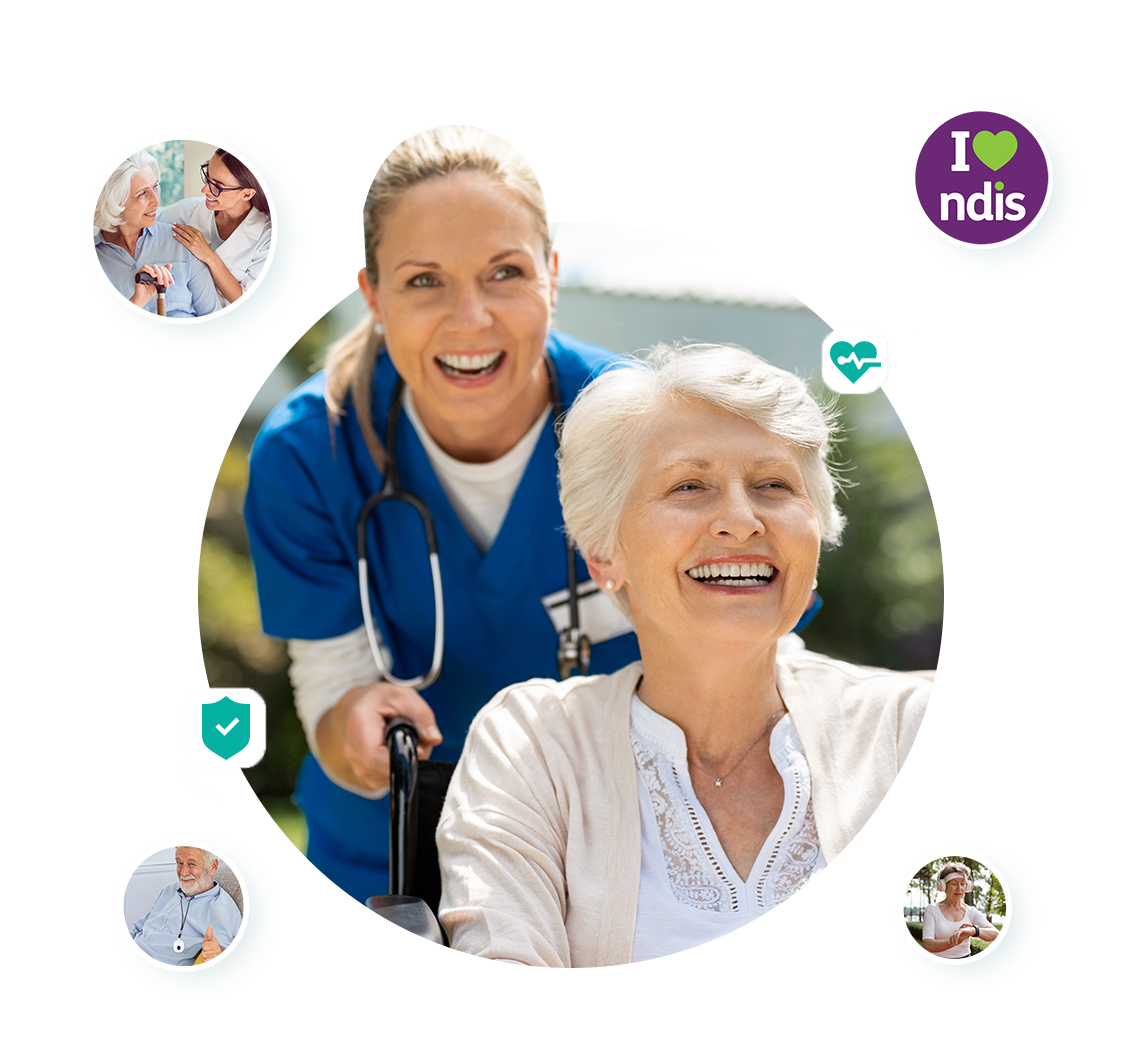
column 1034, row 519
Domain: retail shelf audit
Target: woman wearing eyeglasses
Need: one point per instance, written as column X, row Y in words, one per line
column 230, row 230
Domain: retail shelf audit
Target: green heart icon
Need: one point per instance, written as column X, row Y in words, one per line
column 853, row 361
column 995, row 150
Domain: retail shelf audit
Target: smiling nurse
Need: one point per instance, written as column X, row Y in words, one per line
column 460, row 280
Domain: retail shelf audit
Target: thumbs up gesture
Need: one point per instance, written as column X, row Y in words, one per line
column 211, row 947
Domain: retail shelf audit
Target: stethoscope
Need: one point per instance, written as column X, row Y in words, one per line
column 179, row 945
column 574, row 651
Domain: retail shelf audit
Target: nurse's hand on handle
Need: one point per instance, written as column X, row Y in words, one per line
column 145, row 292
column 352, row 734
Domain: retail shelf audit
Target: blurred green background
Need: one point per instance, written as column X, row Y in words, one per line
column 882, row 589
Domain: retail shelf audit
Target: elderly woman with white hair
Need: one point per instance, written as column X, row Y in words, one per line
column 130, row 243
column 610, row 819
column 948, row 927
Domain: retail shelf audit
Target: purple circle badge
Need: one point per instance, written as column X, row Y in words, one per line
column 982, row 179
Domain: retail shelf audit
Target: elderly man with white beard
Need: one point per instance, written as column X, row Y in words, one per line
column 190, row 918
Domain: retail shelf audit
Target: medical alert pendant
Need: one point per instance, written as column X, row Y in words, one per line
column 179, row 946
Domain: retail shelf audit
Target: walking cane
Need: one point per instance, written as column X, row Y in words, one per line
column 146, row 279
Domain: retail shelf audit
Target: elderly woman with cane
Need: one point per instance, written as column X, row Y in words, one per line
column 143, row 259
column 616, row 818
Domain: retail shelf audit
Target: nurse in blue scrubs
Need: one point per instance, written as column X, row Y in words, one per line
column 460, row 279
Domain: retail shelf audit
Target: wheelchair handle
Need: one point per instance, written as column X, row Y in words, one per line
column 402, row 742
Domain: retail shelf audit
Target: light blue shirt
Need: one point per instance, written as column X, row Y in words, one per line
column 157, row 931
column 192, row 292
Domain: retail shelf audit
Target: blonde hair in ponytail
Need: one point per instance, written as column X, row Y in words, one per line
column 436, row 153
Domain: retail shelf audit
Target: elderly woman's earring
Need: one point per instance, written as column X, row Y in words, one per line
column 379, row 329
column 815, row 583
column 610, row 584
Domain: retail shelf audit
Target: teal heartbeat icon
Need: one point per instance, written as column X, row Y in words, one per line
column 854, row 361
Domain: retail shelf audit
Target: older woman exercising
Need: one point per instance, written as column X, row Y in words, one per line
column 616, row 818
column 948, row 926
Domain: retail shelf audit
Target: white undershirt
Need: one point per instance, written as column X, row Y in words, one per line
column 689, row 893
column 322, row 672
column 479, row 493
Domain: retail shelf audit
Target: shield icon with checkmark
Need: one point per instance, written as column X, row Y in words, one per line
column 225, row 726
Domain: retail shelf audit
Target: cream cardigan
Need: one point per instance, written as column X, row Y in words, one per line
column 539, row 836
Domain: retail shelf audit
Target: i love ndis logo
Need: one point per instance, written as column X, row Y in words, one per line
column 982, row 179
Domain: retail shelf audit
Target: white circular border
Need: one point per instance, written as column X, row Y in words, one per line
column 933, row 226
column 947, row 961
column 91, row 230
column 179, row 842
column 183, row 667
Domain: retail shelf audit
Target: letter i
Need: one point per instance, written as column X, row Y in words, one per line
column 960, row 137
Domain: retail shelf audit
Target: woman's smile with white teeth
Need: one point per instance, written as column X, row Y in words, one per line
column 470, row 365
column 734, row 574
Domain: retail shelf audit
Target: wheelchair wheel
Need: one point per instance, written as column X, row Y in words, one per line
column 855, row 925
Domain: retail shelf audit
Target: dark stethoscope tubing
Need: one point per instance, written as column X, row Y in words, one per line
column 574, row 649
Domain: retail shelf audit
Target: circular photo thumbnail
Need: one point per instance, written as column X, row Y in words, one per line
column 184, row 907
column 955, row 908
column 183, row 229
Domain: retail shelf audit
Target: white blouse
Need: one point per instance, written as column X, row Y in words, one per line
column 244, row 253
column 689, row 892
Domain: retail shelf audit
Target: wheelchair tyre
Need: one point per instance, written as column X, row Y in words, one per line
column 855, row 923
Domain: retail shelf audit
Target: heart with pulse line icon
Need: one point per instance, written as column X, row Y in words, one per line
column 854, row 361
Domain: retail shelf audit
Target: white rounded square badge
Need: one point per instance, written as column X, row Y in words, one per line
column 854, row 362
column 226, row 728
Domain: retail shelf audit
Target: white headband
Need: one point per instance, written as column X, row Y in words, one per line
column 954, row 875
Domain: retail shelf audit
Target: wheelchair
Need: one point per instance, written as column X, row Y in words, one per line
column 840, row 938
column 417, row 792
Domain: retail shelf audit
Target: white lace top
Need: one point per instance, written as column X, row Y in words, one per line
column 689, row 892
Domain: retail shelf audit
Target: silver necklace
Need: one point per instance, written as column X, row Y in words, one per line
column 717, row 779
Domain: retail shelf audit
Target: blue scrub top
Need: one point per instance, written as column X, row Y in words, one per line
column 307, row 484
